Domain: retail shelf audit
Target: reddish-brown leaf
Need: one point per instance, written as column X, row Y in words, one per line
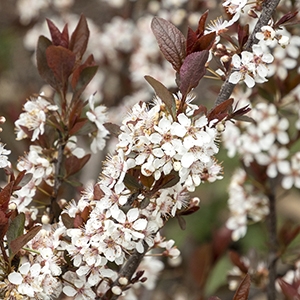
column 113, row 129
column 201, row 25
column 190, row 41
column 200, row 111
column 287, row 233
column 189, row 211
column 78, row 221
column 221, row 241
column 42, row 64
column 204, row 43
column 170, row 41
column 235, row 258
column 58, row 38
column 200, row 264
column 78, row 125
column 5, row 195
column 3, row 224
column 242, row 291
column 163, row 93
column 243, row 34
column 22, row 240
column 79, row 39
column 67, row 221
column 98, row 193
column 286, row 18
column 147, row 181
column 220, row 110
column 85, row 213
column 88, row 63
column 132, row 183
column 288, row 290
column 74, row 164
column 181, row 222
column 192, row 70
column 61, row 61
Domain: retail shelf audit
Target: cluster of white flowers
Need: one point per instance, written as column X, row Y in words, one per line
column 252, row 139
column 36, row 278
column 268, row 35
column 153, row 145
column 34, row 117
column 251, row 66
column 264, row 141
column 246, row 204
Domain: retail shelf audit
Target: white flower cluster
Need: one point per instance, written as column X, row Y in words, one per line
column 268, row 35
column 251, row 66
column 264, row 141
column 36, row 278
column 34, row 117
column 152, row 145
column 156, row 143
column 246, row 205
column 250, row 140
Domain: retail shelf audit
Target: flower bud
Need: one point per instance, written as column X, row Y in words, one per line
column 45, row 219
column 225, row 58
column 221, row 47
column 123, row 280
column 195, row 201
column 252, row 14
column 116, row 290
column 220, row 127
column 12, row 206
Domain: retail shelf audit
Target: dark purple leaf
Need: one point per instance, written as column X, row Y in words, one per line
column 22, row 240
column 170, row 40
column 242, row 291
column 163, row 93
column 192, row 70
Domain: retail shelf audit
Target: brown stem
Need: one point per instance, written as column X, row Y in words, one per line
column 57, row 179
column 273, row 246
column 269, row 7
column 128, row 270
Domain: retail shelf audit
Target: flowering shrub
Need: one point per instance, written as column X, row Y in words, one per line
column 103, row 245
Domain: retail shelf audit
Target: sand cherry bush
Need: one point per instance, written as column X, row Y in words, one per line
column 105, row 244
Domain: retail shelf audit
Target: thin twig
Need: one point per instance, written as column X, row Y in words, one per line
column 269, row 7
column 57, row 179
column 273, row 246
column 128, row 269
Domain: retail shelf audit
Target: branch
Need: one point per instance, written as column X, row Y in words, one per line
column 128, row 269
column 57, row 179
column 269, row 7
column 272, row 231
